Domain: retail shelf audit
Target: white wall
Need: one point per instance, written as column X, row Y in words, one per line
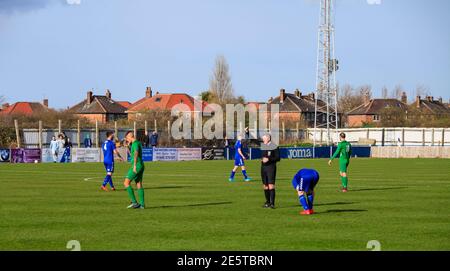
column 412, row 136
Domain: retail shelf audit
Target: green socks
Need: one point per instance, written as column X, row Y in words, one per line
column 344, row 181
column 141, row 196
column 131, row 194
column 133, row 197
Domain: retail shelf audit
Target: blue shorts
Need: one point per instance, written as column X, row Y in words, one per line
column 239, row 162
column 306, row 182
column 109, row 167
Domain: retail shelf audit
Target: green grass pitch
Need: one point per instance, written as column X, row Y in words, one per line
column 402, row 203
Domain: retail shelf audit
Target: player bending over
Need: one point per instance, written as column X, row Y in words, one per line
column 304, row 182
column 344, row 150
column 109, row 149
column 135, row 173
column 239, row 161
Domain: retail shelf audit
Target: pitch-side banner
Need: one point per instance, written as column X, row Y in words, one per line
column 81, row 155
column 189, row 154
column 5, row 155
column 47, row 156
column 25, row 155
column 213, row 153
column 147, row 154
column 165, row 154
column 320, row 152
column 296, row 153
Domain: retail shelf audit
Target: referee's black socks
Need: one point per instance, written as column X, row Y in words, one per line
column 272, row 196
column 267, row 194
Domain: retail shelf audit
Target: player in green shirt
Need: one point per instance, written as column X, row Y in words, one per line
column 344, row 150
column 136, row 172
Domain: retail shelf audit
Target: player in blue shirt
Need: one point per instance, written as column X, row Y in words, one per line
column 304, row 183
column 109, row 149
column 239, row 161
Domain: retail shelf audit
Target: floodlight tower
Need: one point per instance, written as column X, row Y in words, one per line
column 326, row 115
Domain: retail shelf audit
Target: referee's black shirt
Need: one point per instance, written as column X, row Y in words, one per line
column 272, row 152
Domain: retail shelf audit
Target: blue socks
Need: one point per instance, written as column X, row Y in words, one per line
column 105, row 181
column 232, row 174
column 108, row 180
column 244, row 172
column 303, row 202
column 310, row 201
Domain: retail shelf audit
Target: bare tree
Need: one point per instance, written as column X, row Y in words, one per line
column 365, row 91
column 422, row 90
column 397, row 92
column 384, row 93
column 350, row 98
column 220, row 82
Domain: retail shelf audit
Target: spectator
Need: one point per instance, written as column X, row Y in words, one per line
column 61, row 141
column 146, row 140
column 154, row 139
column 54, row 148
column 67, row 150
column 87, row 141
column 226, row 142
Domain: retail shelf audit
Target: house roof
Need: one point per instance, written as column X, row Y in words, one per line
column 257, row 104
column 99, row 105
column 125, row 104
column 25, row 108
column 164, row 102
column 293, row 103
column 375, row 106
column 432, row 106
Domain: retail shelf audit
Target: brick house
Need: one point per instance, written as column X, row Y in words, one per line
column 371, row 110
column 25, row 108
column 430, row 106
column 101, row 108
column 299, row 108
column 160, row 101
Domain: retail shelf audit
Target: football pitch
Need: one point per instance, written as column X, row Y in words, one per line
column 190, row 206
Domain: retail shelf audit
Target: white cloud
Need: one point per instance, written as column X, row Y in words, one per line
column 73, row 2
column 374, row 2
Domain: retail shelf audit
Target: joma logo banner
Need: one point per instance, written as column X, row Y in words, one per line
column 300, row 153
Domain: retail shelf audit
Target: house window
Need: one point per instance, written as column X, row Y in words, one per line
column 158, row 99
column 376, row 118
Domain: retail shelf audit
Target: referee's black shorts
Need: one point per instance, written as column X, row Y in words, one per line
column 268, row 174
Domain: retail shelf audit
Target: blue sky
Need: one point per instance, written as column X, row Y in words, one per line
column 51, row 49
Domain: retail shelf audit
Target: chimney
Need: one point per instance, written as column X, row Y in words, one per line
column 298, row 93
column 108, row 94
column 282, row 95
column 45, row 102
column 366, row 98
column 89, row 97
column 148, row 92
column 440, row 100
column 270, row 100
column 417, row 101
column 429, row 98
column 312, row 95
column 5, row 106
column 404, row 98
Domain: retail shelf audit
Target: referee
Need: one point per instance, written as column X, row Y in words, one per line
column 270, row 157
